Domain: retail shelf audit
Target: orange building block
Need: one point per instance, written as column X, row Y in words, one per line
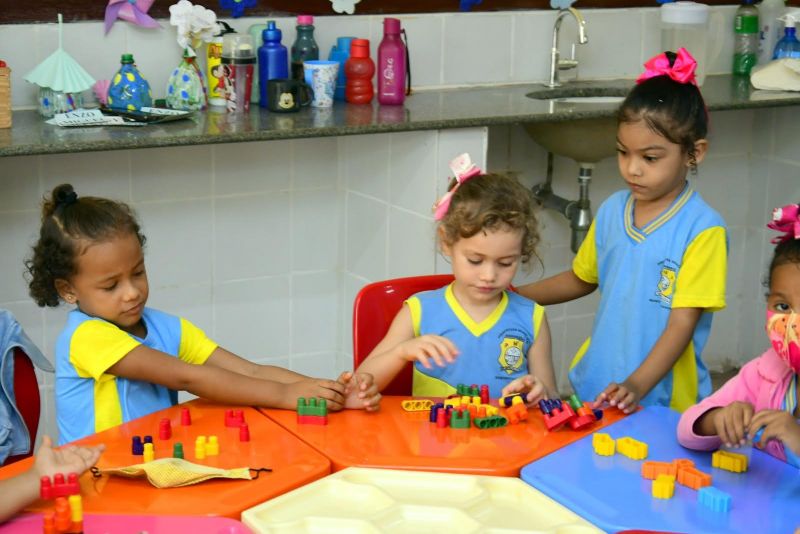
column 692, row 477
column 516, row 413
column 729, row 461
column 652, row 470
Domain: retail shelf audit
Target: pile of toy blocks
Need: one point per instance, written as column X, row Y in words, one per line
column 67, row 517
column 572, row 412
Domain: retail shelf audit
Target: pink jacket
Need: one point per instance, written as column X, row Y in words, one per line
column 761, row 382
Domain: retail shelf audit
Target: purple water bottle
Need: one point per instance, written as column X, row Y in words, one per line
column 391, row 64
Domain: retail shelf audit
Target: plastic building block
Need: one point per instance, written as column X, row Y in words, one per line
column 312, row 412
column 234, row 418
column 507, row 400
column 484, row 394
column 692, row 477
column 757, row 436
column 681, row 463
column 59, row 488
column 441, row 418
column 574, row 402
column 664, row 487
column 717, row 500
column 244, row 432
column 555, row 413
column 148, row 439
column 583, row 418
column 435, row 410
column 76, row 512
column 177, row 450
column 633, row 449
column 212, row 446
column 729, row 461
column 493, row 421
column 460, row 419
column 469, row 391
column 63, row 518
column 136, row 446
column 603, row 444
column 652, row 470
column 598, row 414
column 49, row 522
column 186, row 417
column 517, row 412
column 416, row 405
column 200, row 447
column 164, row 429
column 149, row 452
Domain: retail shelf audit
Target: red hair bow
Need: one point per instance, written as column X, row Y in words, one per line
column 787, row 221
column 682, row 70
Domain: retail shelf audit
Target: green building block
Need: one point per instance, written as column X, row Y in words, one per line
column 459, row 419
column 574, row 402
column 493, row 421
column 313, row 406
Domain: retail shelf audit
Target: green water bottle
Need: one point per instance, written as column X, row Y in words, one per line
column 305, row 47
column 745, row 44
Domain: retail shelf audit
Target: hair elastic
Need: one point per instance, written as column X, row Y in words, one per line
column 786, row 220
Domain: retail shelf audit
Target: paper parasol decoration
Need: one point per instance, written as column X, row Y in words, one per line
column 60, row 72
column 134, row 11
column 345, row 6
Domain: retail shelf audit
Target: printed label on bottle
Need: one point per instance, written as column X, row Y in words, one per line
column 746, row 24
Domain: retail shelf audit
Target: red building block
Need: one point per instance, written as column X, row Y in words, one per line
column 186, row 417
column 244, row 432
column 484, row 394
column 59, row 488
column 164, row 429
column 312, row 419
column 558, row 417
column 234, row 418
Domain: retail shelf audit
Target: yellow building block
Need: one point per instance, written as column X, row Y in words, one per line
column 491, row 410
column 212, row 446
column 149, row 453
column 664, row 487
column 729, row 461
column 603, row 444
column 416, row 405
column 633, row 449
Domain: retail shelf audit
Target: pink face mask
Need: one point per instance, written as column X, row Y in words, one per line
column 783, row 330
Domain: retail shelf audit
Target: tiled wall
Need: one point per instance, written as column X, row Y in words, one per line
column 265, row 245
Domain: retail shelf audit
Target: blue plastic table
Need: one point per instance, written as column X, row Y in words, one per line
column 610, row 492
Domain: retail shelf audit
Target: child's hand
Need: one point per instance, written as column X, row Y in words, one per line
column 429, row 347
column 332, row 391
column 360, row 391
column 69, row 459
column 732, row 421
column 778, row 425
column 624, row 396
column 529, row 385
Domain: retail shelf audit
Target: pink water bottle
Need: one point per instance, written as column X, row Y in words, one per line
column 391, row 64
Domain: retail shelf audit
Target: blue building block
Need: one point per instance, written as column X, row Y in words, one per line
column 711, row 497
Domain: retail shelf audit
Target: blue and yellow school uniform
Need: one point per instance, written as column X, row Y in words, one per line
column 677, row 261
column 90, row 400
column 492, row 352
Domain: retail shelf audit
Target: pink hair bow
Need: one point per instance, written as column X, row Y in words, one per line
column 787, row 221
column 134, row 11
column 682, row 70
column 463, row 169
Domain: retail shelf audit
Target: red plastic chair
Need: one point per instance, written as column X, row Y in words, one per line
column 374, row 309
column 26, row 391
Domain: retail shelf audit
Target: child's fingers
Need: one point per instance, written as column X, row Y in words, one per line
column 738, row 428
column 626, row 400
column 605, row 395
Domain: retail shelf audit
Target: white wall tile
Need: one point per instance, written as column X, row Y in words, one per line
column 253, row 317
column 425, row 48
column 54, row 321
column 731, row 132
column 609, row 52
column 315, row 312
column 784, row 185
column 192, row 302
column 452, row 143
column 366, row 164
column 466, row 60
column 786, row 131
column 315, row 230
column 252, row 167
column 763, row 131
column 530, row 50
column 171, row 173
column 262, row 245
column 21, row 60
column 98, row 174
column 315, row 163
column 19, row 232
column 20, row 184
column 319, row 365
column 366, row 237
column 412, row 171
column 724, row 183
column 411, row 244
column 178, row 242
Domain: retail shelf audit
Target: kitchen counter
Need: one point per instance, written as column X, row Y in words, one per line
column 428, row 110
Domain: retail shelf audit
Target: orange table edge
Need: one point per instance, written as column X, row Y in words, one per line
column 293, row 464
column 395, row 439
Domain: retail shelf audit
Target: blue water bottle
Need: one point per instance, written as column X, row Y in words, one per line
column 340, row 52
column 273, row 60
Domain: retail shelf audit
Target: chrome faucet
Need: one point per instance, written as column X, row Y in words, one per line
column 556, row 63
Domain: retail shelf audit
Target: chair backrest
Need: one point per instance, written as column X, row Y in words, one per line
column 374, row 309
column 26, row 392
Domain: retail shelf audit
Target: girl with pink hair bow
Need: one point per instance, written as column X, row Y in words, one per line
column 760, row 403
column 656, row 251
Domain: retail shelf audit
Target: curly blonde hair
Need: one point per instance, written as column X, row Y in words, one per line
column 491, row 202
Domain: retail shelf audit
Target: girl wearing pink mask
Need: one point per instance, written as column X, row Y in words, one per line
column 760, row 403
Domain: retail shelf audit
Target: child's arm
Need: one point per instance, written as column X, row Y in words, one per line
column 361, row 391
column 777, row 424
column 399, row 346
column 669, row 347
column 540, row 383
column 218, row 383
column 560, row 288
column 23, row 489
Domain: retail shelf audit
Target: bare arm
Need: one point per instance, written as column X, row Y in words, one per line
column 218, row 383
column 227, row 360
column 540, row 360
column 562, row 287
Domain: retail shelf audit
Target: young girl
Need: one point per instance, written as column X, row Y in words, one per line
column 764, row 393
column 116, row 359
column 473, row 331
column 657, row 252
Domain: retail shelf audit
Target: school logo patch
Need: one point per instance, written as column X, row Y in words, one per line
column 666, row 285
column 511, row 354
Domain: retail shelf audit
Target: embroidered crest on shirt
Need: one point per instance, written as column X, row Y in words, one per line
column 666, row 283
column 511, row 354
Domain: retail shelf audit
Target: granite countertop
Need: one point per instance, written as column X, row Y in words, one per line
column 428, row 110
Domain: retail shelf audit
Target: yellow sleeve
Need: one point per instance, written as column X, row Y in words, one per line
column 585, row 263
column 195, row 346
column 538, row 316
column 415, row 307
column 701, row 278
column 97, row 345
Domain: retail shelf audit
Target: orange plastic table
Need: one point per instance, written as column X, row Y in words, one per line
column 396, row 439
column 293, row 464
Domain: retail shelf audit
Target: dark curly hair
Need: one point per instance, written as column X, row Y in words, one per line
column 491, row 202
column 67, row 221
column 674, row 110
column 785, row 252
